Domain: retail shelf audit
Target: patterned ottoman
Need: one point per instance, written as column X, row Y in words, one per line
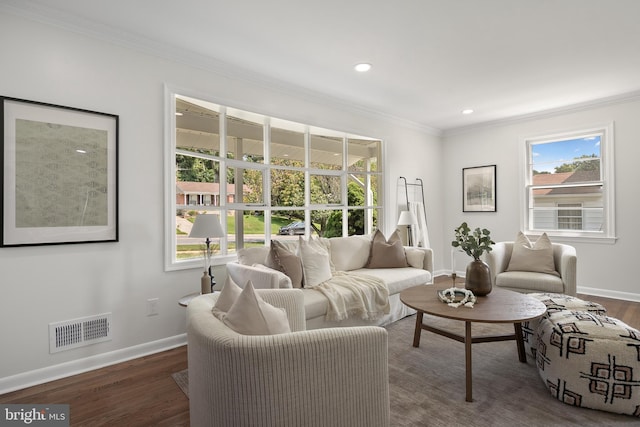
column 590, row 361
column 555, row 303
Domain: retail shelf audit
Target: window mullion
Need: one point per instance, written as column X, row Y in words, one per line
column 266, row 178
column 307, row 180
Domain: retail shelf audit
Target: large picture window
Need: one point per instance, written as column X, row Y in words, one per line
column 264, row 177
column 569, row 184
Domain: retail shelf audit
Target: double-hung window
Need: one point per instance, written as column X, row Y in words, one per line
column 569, row 188
column 265, row 177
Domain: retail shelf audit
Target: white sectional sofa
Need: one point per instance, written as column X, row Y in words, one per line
column 347, row 254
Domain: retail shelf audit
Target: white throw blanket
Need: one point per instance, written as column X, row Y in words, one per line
column 352, row 294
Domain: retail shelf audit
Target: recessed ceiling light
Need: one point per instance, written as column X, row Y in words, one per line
column 363, row 67
column 467, row 111
column 178, row 113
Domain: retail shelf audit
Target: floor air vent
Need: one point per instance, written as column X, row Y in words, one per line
column 79, row 332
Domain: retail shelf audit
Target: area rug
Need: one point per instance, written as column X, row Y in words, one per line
column 427, row 384
column 182, row 380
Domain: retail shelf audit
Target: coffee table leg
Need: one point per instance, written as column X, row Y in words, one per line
column 418, row 331
column 467, row 355
column 522, row 356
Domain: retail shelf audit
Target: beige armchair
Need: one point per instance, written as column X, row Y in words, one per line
column 526, row 281
column 324, row 377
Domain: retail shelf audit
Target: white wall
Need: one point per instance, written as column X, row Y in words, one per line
column 53, row 283
column 603, row 269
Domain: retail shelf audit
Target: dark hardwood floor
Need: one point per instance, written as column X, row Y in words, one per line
column 141, row 392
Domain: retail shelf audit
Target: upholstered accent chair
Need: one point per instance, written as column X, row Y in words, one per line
column 324, row 377
column 564, row 282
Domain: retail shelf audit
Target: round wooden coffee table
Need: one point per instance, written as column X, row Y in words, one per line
column 500, row 306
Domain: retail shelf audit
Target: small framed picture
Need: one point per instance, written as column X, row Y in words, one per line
column 59, row 174
column 479, row 189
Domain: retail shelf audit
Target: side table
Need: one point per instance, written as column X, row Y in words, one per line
column 185, row 300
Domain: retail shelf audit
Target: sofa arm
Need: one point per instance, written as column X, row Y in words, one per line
column 262, row 278
column 427, row 263
column 566, row 264
column 335, row 376
column 498, row 258
column 291, row 300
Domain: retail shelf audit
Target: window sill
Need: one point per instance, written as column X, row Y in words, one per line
column 563, row 238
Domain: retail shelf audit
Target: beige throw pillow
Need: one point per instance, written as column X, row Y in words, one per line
column 316, row 262
column 386, row 253
column 536, row 257
column 251, row 315
column 281, row 259
column 229, row 295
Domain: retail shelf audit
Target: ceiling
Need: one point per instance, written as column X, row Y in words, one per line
column 431, row 58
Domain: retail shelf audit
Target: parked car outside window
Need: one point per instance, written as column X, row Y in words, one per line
column 292, row 229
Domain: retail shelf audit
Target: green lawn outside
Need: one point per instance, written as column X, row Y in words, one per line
column 252, row 225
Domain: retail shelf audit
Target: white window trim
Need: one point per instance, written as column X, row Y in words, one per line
column 171, row 264
column 608, row 177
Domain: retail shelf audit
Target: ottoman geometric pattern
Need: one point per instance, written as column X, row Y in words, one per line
column 555, row 303
column 590, row 360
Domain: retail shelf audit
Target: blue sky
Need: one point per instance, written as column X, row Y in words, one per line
column 549, row 155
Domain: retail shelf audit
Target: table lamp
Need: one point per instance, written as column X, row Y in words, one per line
column 407, row 218
column 207, row 226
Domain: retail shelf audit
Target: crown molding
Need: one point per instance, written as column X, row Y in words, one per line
column 53, row 17
column 552, row 112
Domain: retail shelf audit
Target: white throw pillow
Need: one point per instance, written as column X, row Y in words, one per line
column 251, row 315
column 350, row 253
column 415, row 257
column 324, row 243
column 536, row 257
column 229, row 295
column 315, row 262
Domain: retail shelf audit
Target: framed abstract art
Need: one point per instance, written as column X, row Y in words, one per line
column 59, row 174
column 479, row 189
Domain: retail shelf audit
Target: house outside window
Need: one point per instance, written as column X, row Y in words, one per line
column 570, row 218
column 569, row 187
column 261, row 174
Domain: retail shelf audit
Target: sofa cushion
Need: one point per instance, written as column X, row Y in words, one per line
column 350, row 253
column 536, row 257
column 251, row 315
column 530, row 280
column 398, row 279
column 387, row 253
column 315, row 262
column 281, row 259
column 315, row 304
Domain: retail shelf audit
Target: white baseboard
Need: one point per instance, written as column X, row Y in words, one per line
column 63, row 370
column 605, row 293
